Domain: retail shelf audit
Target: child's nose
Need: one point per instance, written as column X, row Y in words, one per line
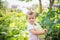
column 31, row 19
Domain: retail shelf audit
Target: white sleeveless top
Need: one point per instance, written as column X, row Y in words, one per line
column 32, row 36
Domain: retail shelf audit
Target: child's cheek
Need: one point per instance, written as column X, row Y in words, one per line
column 34, row 19
column 29, row 20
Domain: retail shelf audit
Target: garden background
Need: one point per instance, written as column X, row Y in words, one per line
column 13, row 24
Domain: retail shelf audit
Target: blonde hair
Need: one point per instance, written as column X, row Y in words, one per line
column 30, row 13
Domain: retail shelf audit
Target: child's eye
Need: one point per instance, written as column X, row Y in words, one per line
column 32, row 18
column 29, row 18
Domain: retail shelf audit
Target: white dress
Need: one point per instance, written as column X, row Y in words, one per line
column 32, row 36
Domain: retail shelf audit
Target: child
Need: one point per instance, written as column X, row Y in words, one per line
column 33, row 33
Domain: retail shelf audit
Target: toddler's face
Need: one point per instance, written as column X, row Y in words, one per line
column 31, row 18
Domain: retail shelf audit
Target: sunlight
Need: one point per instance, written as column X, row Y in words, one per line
column 23, row 5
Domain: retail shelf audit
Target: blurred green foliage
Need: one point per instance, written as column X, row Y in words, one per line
column 50, row 20
column 13, row 24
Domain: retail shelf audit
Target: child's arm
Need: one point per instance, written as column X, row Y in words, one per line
column 38, row 32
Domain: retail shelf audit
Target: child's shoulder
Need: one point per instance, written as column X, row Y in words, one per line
column 30, row 27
